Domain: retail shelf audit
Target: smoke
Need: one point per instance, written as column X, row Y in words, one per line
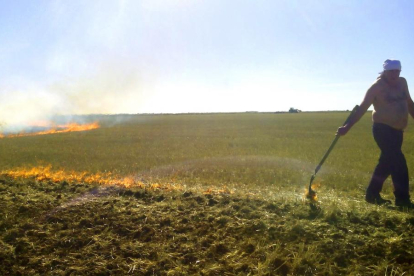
column 110, row 91
column 115, row 89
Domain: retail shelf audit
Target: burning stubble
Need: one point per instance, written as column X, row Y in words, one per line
column 311, row 195
column 44, row 129
column 112, row 89
column 46, row 173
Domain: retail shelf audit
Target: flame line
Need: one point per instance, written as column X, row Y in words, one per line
column 45, row 173
column 71, row 127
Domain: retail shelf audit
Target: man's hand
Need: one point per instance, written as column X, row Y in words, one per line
column 342, row 130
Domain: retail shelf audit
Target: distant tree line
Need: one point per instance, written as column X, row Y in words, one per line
column 294, row 110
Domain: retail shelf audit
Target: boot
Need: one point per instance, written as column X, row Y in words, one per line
column 404, row 203
column 376, row 199
column 403, row 200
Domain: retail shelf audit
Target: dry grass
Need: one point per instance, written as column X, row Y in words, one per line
column 78, row 229
column 234, row 206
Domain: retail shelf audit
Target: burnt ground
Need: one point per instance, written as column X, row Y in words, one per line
column 77, row 229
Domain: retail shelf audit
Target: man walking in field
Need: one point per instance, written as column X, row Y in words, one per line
column 392, row 103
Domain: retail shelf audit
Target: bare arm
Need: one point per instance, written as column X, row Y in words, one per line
column 363, row 107
column 410, row 102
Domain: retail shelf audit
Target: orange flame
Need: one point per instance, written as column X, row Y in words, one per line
column 312, row 196
column 213, row 191
column 71, row 127
column 45, row 173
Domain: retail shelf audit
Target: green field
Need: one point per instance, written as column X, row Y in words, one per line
column 256, row 151
column 260, row 225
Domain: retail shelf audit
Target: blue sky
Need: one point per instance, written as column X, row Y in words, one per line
column 163, row 56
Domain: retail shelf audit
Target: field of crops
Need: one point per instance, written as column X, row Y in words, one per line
column 200, row 194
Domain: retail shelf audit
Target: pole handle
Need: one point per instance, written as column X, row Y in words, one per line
column 354, row 110
column 335, row 140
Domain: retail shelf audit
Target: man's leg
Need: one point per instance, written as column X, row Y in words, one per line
column 399, row 172
column 383, row 138
column 381, row 172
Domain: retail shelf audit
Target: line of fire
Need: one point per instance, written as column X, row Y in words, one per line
column 52, row 129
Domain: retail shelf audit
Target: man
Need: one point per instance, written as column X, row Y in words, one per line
column 392, row 103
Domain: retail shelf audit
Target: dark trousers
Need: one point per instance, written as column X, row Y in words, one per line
column 391, row 162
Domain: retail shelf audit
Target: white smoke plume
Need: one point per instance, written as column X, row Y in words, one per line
column 109, row 91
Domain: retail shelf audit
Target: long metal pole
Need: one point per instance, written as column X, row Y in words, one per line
column 330, row 148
